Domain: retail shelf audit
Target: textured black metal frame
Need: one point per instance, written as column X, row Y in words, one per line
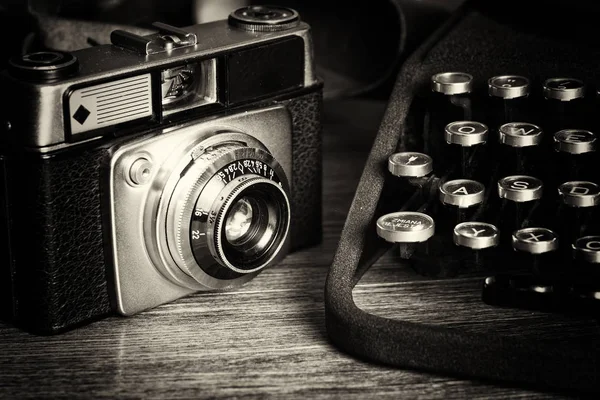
column 59, row 263
column 548, row 364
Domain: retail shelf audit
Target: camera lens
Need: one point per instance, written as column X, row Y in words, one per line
column 223, row 213
column 254, row 225
column 239, row 221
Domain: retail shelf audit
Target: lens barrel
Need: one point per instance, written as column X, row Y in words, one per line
column 225, row 215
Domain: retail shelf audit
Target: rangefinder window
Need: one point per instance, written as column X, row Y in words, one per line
column 188, row 86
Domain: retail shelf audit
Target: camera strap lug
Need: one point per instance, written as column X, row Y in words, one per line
column 168, row 38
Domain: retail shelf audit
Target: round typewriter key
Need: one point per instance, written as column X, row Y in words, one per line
column 460, row 198
column 508, row 86
column 520, row 134
column 576, row 212
column 563, row 89
column 410, row 164
column 574, row 141
column 466, row 133
column 405, row 227
column 474, row 238
column 535, row 240
column 476, row 235
column 587, row 249
column 579, row 194
column 462, row 193
column 451, row 83
column 520, row 188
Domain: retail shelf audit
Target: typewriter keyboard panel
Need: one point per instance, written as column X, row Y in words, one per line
column 504, row 181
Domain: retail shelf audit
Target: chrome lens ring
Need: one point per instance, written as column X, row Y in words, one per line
column 266, row 237
column 193, row 186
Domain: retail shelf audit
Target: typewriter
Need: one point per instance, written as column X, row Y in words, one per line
column 502, row 182
column 482, row 190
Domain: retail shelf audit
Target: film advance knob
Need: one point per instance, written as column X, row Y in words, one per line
column 44, row 65
column 508, row 86
column 451, row 83
column 264, row 18
column 405, row 227
column 410, row 164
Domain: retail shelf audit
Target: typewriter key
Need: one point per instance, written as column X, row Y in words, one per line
column 576, row 149
column 563, row 89
column 462, row 193
column 511, row 91
column 535, row 240
column 579, row 194
column 520, row 195
column 475, row 237
column 407, row 228
column 460, row 196
column 520, row 188
column 410, row 164
column 587, row 249
column 519, row 138
column 535, row 244
column 467, row 135
column 564, row 107
column 452, row 83
column 578, row 200
column 574, row 141
column 508, row 86
column 586, row 254
column 520, row 134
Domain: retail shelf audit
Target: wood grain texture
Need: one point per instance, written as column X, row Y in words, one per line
column 268, row 339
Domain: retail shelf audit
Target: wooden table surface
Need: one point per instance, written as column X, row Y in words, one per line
column 268, row 339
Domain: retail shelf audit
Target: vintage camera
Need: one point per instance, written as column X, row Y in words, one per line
column 139, row 172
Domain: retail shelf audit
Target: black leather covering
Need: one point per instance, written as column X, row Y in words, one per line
column 306, row 225
column 59, row 268
column 475, row 43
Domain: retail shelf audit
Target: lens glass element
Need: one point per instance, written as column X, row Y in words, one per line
column 255, row 226
column 239, row 221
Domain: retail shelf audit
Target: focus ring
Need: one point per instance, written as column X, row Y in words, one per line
column 224, row 208
column 183, row 214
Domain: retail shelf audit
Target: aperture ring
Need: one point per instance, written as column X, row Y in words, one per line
column 223, row 207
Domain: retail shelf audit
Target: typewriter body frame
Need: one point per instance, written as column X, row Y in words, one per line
column 483, row 43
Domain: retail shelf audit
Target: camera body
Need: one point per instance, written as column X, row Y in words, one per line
column 136, row 173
